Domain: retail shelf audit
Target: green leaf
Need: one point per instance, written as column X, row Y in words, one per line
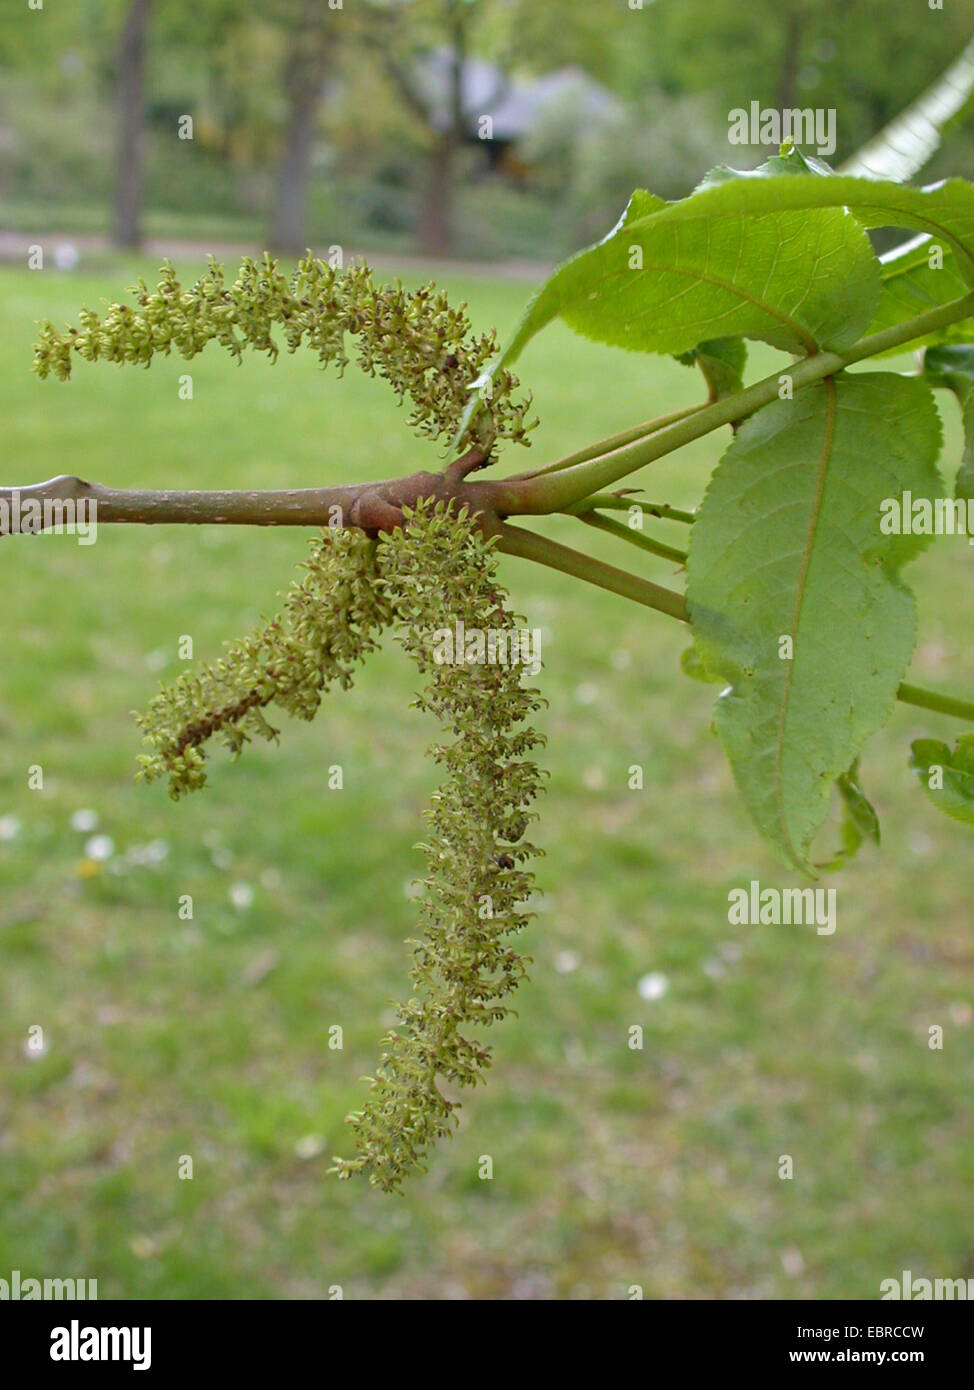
column 787, row 545
column 947, row 777
column 942, row 210
column 859, row 820
column 711, row 267
column 857, row 805
column 953, row 366
column 904, row 146
column 722, row 361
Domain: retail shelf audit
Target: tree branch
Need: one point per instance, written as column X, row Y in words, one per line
column 294, row 507
column 370, row 506
column 374, row 507
column 530, row 546
column 628, row 533
column 624, row 501
column 573, row 480
column 932, row 699
column 615, row 441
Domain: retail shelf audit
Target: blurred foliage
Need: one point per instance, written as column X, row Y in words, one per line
column 669, row 66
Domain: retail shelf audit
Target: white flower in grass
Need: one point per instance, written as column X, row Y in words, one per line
column 85, row 821
column 653, row 986
column 146, row 856
column 310, row 1146
column 242, row 896
column 99, row 848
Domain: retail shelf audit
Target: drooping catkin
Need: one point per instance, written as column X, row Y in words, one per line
column 331, row 621
column 415, row 339
column 425, row 578
column 439, row 571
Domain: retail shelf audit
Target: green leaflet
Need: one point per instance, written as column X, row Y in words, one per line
column 947, row 777
column 722, row 362
column 665, row 281
column 917, row 276
column 857, row 807
column 953, row 367
column 859, row 820
column 787, row 544
column 692, row 666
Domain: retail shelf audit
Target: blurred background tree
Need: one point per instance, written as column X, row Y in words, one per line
column 311, row 43
column 365, row 124
column 129, row 122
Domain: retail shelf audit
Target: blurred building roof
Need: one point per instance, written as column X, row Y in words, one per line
column 514, row 105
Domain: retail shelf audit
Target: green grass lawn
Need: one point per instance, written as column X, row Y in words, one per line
column 168, row 1037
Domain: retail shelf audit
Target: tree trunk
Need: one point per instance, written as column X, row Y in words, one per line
column 130, row 118
column 436, row 224
column 303, row 77
column 790, row 54
column 436, row 229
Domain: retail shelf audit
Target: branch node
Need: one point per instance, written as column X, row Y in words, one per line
column 470, row 462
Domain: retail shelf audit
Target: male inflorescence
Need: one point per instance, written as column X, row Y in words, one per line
column 415, row 339
column 435, row 570
column 431, row 573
